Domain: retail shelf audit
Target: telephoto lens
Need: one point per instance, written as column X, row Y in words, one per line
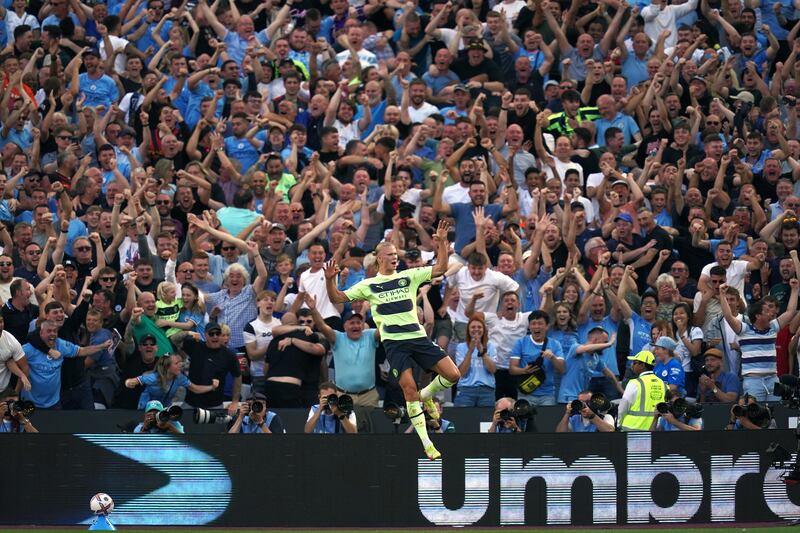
column 257, row 407
column 662, row 407
column 576, row 406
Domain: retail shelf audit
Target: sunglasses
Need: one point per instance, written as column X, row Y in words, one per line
column 163, row 202
column 83, row 249
column 228, row 248
column 213, row 333
column 186, row 271
column 6, row 264
column 109, row 279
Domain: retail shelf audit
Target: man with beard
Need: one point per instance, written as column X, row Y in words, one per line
column 98, row 88
column 45, row 354
column 413, row 107
column 463, row 212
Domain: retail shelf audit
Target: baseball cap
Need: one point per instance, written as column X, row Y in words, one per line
column 621, row 182
column 645, row 357
column 713, row 352
column 69, row 263
column 213, row 326
column 277, row 226
column 260, row 396
column 91, row 52
column 548, row 83
column 148, row 337
column 745, row 96
column 624, row 216
column 127, row 130
column 153, row 405
column 461, row 87
column 667, row 343
column 700, row 79
column 350, row 314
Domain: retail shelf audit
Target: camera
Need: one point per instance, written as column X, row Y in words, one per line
column 755, row 413
column 406, row 210
column 257, row 407
column 211, row 416
column 172, row 414
column 788, row 390
column 522, row 410
column 394, row 411
column 344, row 403
column 598, row 404
column 24, row 407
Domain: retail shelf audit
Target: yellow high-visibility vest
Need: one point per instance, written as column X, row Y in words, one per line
column 650, row 391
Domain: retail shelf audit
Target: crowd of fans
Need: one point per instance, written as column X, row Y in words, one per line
column 620, row 178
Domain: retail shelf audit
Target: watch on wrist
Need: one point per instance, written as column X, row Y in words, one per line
column 715, row 390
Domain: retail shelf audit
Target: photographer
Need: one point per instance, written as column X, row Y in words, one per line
column 512, row 417
column 749, row 414
column 716, row 385
column 12, row 419
column 588, row 419
column 155, row 424
column 676, row 414
column 254, row 418
column 330, row 417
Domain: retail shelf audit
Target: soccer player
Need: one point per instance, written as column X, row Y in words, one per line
column 393, row 299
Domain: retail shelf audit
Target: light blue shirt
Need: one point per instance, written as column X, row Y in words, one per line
column 153, row 390
column 355, row 360
column 236, row 219
column 102, row 91
column 527, row 351
column 241, row 150
column 45, row 373
column 623, row 122
column 609, row 356
column 477, row 375
column 579, row 370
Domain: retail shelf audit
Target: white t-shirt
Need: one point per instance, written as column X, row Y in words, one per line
column 511, row 10
column 117, row 43
column 695, row 334
column 426, row 110
column 347, row 133
column 505, row 333
column 456, row 194
column 562, row 168
column 313, row 283
column 259, row 332
column 493, row 284
column 10, row 348
column 735, row 274
column 367, row 58
column 411, row 196
column 13, row 20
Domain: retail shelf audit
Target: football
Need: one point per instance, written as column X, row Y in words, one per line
column 101, row 503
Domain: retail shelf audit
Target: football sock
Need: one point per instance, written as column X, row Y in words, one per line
column 437, row 384
column 417, row 418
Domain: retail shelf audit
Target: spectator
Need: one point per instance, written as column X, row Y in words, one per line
column 716, row 385
column 165, row 382
column 538, row 351
column 476, row 362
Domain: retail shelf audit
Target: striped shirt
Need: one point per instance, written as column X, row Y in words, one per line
column 758, row 349
column 559, row 122
column 393, row 301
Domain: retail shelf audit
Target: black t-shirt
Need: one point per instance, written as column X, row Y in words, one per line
column 294, row 362
column 466, row 71
column 133, row 367
column 17, row 322
column 207, row 364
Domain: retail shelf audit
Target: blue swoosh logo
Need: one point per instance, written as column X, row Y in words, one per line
column 199, row 488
